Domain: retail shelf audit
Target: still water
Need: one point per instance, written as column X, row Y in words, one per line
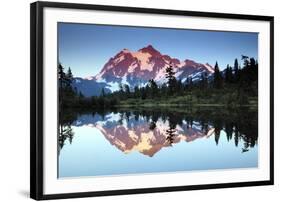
column 131, row 141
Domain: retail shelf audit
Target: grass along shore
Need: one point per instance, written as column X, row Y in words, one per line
column 222, row 100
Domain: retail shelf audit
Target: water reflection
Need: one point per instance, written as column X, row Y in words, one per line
column 147, row 131
column 65, row 130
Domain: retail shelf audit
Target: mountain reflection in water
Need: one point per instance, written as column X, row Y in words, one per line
column 149, row 131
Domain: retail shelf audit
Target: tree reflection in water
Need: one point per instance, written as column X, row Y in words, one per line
column 66, row 119
column 171, row 132
column 239, row 125
column 65, row 132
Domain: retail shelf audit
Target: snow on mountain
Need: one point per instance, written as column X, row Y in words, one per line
column 143, row 59
column 132, row 67
column 137, row 68
column 209, row 68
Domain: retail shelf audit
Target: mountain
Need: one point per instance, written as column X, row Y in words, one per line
column 137, row 68
column 90, row 87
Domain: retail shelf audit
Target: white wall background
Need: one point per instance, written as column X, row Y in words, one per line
column 14, row 100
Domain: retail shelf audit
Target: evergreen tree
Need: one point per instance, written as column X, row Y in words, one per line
column 153, row 88
column 245, row 75
column 170, row 75
column 246, row 62
column 163, row 90
column 69, row 78
column 69, row 74
column 204, row 81
column 186, row 84
column 179, row 87
column 102, row 92
column 136, row 92
column 191, row 83
column 121, row 89
column 143, row 93
column 67, row 95
column 127, row 90
column 217, row 77
column 61, row 75
column 236, row 70
column 228, row 74
column 60, row 70
column 252, row 63
column 253, row 69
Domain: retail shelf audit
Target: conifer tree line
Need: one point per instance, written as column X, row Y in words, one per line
column 239, row 81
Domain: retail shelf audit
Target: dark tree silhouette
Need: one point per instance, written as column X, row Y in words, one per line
column 228, row 74
column 218, row 81
column 127, row 89
column 153, row 88
column 170, row 75
column 236, row 70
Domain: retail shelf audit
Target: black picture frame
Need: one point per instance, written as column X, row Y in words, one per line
column 36, row 98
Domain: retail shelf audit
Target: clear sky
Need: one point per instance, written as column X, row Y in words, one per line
column 87, row 47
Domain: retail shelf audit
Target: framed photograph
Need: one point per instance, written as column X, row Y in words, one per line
column 136, row 100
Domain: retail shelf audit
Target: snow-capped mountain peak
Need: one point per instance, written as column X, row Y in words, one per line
column 136, row 68
column 151, row 50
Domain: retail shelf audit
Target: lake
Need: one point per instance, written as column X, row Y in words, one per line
column 154, row 140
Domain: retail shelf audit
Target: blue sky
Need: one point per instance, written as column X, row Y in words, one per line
column 87, row 47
